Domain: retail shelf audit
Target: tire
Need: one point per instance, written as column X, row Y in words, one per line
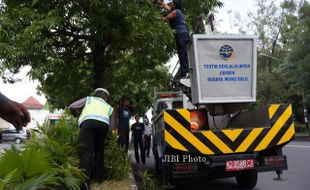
column 18, row 140
column 247, row 179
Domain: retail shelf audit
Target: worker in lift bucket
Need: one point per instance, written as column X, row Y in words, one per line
column 176, row 20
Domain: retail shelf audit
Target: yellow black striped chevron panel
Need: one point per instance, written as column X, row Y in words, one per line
column 178, row 134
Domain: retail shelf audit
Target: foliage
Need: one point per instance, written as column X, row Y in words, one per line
column 150, row 181
column 29, row 169
column 61, row 143
column 301, row 128
column 195, row 8
column 50, row 160
column 283, row 52
column 297, row 66
column 116, row 163
column 74, row 46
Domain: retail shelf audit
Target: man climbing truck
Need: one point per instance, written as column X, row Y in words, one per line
column 207, row 129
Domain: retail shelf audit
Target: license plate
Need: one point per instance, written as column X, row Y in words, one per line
column 237, row 165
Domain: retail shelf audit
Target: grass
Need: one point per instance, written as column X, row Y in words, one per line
column 112, row 185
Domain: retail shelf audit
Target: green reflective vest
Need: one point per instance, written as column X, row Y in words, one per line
column 97, row 109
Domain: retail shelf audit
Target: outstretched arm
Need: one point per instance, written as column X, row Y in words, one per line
column 77, row 106
column 170, row 16
column 13, row 112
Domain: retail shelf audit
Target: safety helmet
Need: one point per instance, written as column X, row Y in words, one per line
column 168, row 1
column 102, row 90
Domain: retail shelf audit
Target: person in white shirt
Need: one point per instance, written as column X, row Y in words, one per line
column 147, row 136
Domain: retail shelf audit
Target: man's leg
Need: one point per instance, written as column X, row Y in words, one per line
column 182, row 41
column 142, row 152
column 136, row 144
column 148, row 142
column 127, row 141
column 124, row 138
column 87, row 140
column 100, row 135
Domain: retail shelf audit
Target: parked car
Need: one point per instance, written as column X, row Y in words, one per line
column 11, row 135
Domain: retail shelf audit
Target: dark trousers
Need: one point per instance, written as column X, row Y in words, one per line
column 147, row 145
column 123, row 138
column 138, row 143
column 92, row 135
column 182, row 40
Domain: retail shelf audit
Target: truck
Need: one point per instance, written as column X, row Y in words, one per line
column 207, row 126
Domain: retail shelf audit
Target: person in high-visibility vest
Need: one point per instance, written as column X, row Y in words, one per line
column 94, row 122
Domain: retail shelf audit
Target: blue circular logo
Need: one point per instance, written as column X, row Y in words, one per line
column 226, row 52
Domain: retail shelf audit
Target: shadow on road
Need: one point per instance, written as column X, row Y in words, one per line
column 205, row 184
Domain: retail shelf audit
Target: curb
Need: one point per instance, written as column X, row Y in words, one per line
column 132, row 182
column 302, row 138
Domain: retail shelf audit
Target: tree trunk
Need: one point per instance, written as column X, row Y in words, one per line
column 99, row 65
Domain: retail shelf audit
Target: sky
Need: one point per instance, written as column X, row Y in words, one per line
column 20, row 91
column 231, row 7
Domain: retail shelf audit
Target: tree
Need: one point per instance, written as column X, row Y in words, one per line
column 76, row 46
column 269, row 24
column 283, row 62
column 297, row 67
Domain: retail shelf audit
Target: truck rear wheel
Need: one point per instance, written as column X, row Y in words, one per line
column 247, row 179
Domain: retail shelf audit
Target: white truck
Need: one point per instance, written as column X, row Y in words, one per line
column 206, row 127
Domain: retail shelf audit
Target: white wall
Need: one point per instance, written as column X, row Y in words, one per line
column 37, row 117
column 4, row 124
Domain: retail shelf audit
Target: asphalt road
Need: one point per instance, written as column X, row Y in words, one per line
column 297, row 177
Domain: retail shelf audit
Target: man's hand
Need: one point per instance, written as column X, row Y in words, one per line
column 160, row 3
column 15, row 113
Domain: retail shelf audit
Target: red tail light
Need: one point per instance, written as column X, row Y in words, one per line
column 275, row 161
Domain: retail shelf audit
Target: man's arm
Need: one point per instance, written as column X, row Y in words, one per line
column 113, row 120
column 13, row 112
column 77, row 106
column 3, row 99
column 170, row 16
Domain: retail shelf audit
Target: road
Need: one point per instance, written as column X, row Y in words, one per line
column 4, row 146
column 297, row 177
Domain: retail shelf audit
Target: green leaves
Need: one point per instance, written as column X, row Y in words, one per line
column 28, row 163
column 76, row 46
column 25, row 170
column 116, row 163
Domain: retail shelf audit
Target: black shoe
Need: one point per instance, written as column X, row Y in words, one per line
column 185, row 76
